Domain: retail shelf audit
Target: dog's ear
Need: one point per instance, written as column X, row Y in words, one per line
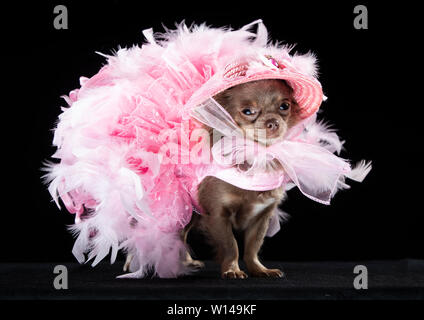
column 306, row 63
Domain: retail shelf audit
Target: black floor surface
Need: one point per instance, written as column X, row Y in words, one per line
column 401, row 279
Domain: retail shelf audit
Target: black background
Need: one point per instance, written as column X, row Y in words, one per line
column 359, row 71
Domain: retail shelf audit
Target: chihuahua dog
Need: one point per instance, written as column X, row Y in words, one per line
column 259, row 105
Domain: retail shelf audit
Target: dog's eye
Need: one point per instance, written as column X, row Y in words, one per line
column 284, row 106
column 248, row 112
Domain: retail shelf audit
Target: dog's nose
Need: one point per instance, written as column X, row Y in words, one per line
column 272, row 124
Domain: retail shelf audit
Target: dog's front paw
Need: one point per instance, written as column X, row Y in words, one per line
column 233, row 274
column 267, row 273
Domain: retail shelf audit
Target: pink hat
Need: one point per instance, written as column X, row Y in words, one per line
column 259, row 61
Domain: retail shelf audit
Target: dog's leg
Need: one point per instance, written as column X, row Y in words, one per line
column 127, row 262
column 253, row 239
column 219, row 231
column 188, row 260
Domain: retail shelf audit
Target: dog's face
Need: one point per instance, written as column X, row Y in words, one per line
column 263, row 109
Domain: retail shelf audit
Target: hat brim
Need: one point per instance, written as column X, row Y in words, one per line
column 307, row 91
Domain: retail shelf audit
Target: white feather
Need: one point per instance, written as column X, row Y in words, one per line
column 360, row 171
column 306, row 63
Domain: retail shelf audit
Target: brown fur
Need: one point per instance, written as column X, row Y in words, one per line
column 227, row 207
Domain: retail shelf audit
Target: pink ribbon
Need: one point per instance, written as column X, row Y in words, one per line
column 313, row 169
